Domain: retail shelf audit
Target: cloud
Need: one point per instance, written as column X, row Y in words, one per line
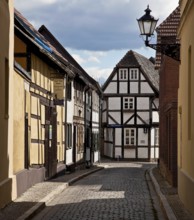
column 93, row 59
column 146, row 51
column 99, row 74
column 32, row 4
column 92, row 25
column 78, row 58
column 95, row 53
column 85, row 56
column 96, row 33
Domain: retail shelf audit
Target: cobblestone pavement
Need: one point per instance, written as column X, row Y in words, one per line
column 119, row 192
column 172, row 197
column 35, row 198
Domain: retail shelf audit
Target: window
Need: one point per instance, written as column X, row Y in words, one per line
column 95, row 139
column 130, row 136
column 78, row 92
column 128, row 103
column 69, row 90
column 123, row 74
column 69, row 136
column 127, row 136
column 134, row 74
column 80, row 138
column 156, row 136
column 88, row 99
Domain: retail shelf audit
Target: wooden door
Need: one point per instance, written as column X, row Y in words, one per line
column 50, row 141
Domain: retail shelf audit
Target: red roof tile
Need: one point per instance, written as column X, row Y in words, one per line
column 167, row 32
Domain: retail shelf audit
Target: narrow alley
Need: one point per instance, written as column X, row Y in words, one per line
column 96, row 119
column 121, row 191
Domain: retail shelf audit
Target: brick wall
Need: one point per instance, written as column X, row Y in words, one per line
column 169, row 76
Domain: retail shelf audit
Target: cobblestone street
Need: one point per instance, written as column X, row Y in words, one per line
column 119, row 192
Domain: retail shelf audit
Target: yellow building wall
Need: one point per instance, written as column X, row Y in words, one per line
column 186, row 107
column 43, row 76
column 6, row 112
column 18, row 118
column 4, row 62
column 40, row 73
column 37, row 132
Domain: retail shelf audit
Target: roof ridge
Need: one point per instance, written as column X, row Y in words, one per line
column 124, row 61
column 65, row 53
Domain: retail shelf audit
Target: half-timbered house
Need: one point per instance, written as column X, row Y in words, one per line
column 82, row 116
column 39, row 117
column 130, row 109
column 92, row 122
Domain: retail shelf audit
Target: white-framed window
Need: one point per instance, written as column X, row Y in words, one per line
column 123, row 74
column 128, row 103
column 156, row 136
column 130, row 136
column 134, row 74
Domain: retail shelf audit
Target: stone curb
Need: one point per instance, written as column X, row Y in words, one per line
column 29, row 214
column 165, row 205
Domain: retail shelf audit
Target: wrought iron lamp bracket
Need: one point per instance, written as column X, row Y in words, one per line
column 170, row 50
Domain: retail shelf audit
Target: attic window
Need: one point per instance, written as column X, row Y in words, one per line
column 134, row 74
column 123, row 74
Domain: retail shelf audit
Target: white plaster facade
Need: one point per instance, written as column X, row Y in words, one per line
column 130, row 111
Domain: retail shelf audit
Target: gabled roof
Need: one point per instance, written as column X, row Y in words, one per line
column 133, row 59
column 55, row 43
column 49, row 45
column 77, row 68
column 27, row 29
column 167, row 31
column 129, row 60
column 169, row 26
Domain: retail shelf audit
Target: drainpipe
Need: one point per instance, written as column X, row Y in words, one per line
column 65, row 147
column 100, row 126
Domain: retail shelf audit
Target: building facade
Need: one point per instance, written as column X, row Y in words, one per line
column 39, row 112
column 168, row 99
column 50, row 107
column 186, row 107
column 6, row 100
column 83, row 110
column 130, row 117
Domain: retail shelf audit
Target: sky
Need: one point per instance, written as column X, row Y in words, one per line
column 97, row 33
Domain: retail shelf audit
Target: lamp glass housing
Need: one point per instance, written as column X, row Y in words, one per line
column 147, row 23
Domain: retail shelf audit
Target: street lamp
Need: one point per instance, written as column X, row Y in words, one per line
column 147, row 24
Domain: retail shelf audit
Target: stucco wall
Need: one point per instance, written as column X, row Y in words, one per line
column 186, row 107
column 6, row 110
column 18, row 117
column 186, row 161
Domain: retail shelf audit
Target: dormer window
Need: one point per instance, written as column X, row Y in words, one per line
column 123, row 74
column 134, row 74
